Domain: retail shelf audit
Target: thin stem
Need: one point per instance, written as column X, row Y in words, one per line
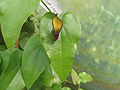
column 17, row 43
column 46, row 6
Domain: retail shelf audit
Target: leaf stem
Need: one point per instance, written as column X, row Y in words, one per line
column 17, row 43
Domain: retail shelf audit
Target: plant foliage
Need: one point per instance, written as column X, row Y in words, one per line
column 30, row 58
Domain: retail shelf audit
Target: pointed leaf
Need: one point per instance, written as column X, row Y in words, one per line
column 15, row 13
column 17, row 83
column 35, row 60
column 11, row 69
column 75, row 77
column 62, row 51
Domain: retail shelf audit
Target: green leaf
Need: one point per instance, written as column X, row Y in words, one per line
column 24, row 38
column 80, row 89
column 11, row 69
column 15, row 14
column 5, row 56
column 0, row 61
column 34, row 60
column 0, row 65
column 62, row 51
column 75, row 77
column 48, row 77
column 84, row 77
column 38, row 84
column 2, row 48
column 2, row 8
column 66, row 88
column 46, row 29
column 17, row 83
column 56, row 87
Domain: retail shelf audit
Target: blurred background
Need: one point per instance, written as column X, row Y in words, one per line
column 99, row 47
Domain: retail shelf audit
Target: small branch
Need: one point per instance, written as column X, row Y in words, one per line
column 17, row 43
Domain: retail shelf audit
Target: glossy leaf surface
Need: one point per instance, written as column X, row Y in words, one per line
column 62, row 51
